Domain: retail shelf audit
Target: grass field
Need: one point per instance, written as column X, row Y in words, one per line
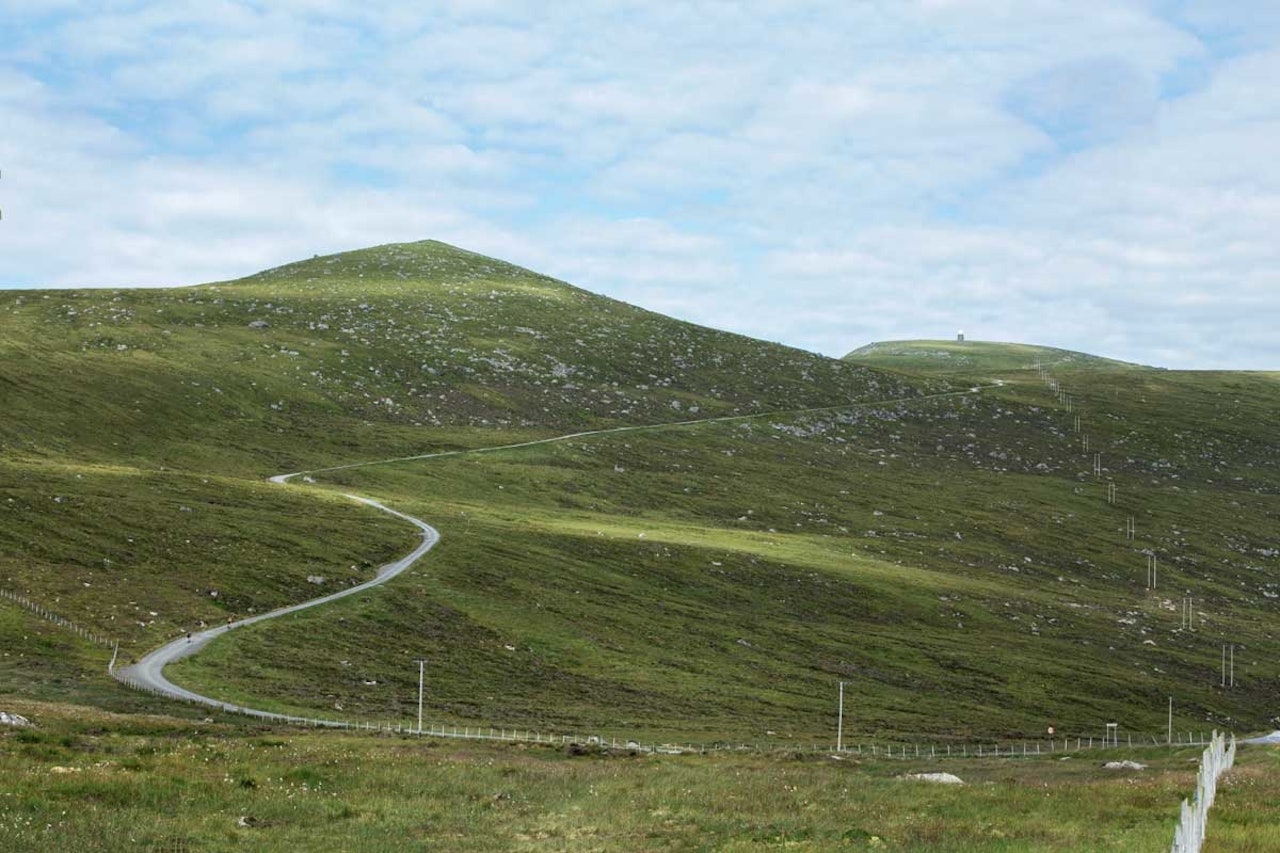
column 91, row 781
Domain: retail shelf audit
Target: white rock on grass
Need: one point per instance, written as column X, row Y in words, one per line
column 16, row 720
column 1124, row 765
column 941, row 778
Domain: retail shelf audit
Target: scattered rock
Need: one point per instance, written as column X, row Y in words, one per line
column 1124, row 765
column 259, row 324
column 940, row 778
column 15, row 720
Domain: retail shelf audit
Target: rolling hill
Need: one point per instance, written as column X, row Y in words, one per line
column 942, row 543
column 972, row 357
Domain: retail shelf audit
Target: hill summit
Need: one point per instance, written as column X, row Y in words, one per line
column 423, row 261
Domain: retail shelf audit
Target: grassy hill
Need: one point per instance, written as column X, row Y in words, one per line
column 368, row 352
column 140, row 424
column 977, row 357
column 949, row 554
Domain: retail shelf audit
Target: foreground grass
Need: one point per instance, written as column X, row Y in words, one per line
column 89, row 781
column 1244, row 819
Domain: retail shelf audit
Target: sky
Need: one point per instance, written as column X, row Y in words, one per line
column 1089, row 174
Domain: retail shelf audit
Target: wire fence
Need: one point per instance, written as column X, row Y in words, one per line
column 62, row 622
column 903, row 751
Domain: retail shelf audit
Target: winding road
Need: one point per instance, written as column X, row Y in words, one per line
column 148, row 673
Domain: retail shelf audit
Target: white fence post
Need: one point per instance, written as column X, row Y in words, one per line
column 1218, row 758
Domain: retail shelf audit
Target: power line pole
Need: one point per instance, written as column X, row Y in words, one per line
column 421, row 667
column 840, row 722
column 1169, row 737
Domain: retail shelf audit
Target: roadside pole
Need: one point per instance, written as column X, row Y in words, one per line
column 840, row 722
column 421, row 665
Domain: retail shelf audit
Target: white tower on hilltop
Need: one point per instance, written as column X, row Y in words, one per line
column 960, row 336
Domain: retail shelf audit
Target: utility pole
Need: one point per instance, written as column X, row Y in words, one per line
column 1169, row 737
column 421, row 667
column 840, row 722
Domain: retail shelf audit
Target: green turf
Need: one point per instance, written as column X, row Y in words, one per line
column 91, row 781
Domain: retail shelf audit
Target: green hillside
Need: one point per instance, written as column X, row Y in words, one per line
column 370, row 353
column 977, row 357
column 949, row 553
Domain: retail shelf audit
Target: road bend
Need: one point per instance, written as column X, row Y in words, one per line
column 148, row 673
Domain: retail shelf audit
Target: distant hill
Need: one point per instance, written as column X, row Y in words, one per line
column 970, row 356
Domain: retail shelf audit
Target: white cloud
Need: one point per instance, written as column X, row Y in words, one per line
column 1095, row 175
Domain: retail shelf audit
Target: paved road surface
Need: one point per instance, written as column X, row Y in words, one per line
column 148, row 673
